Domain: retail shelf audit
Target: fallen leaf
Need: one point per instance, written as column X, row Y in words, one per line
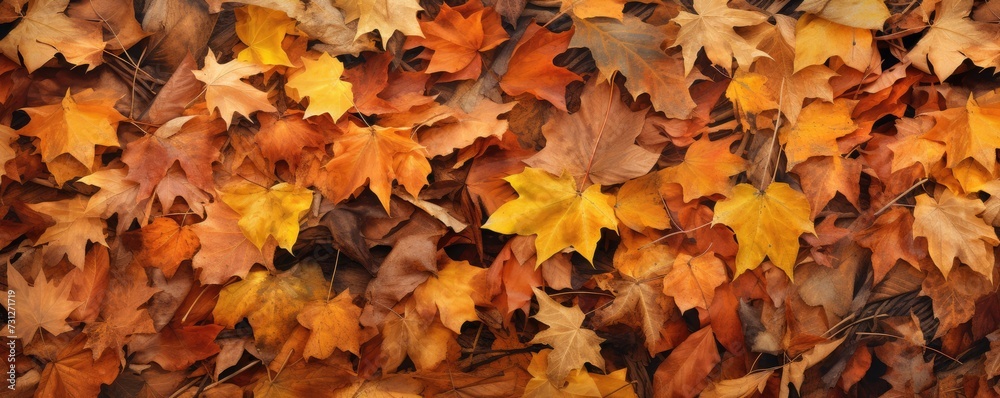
column 264, row 212
column 573, row 346
column 319, row 80
column 226, row 92
column 43, row 305
column 711, row 29
column 332, row 323
column 953, row 231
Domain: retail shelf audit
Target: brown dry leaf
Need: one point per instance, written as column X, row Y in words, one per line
column 954, row 298
column 43, row 305
column 186, row 140
column 597, row 143
column 176, row 347
column 77, row 373
column 685, row 372
column 639, row 295
column 121, row 315
column 890, row 238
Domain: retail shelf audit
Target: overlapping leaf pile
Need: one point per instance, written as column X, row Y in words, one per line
column 545, row 198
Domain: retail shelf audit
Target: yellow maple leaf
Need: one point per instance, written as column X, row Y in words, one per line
column 552, row 208
column 45, row 30
column 262, row 30
column 451, row 293
column 270, row 303
column 572, row 345
column 969, row 132
column 639, row 205
column 377, row 155
column 766, row 223
column 954, row 231
column 320, row 81
column 817, row 39
column 264, row 212
column 747, row 91
column 579, row 382
column 712, row 29
column 864, row 14
column 706, row 169
column 819, row 125
column 386, row 16
column 226, row 92
column 332, row 324
column 74, row 126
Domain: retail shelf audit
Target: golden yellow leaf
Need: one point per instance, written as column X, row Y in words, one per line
column 264, row 212
column 819, row 125
column 817, row 39
column 320, row 81
column 386, row 16
column 552, row 208
column 594, row 8
column 262, row 30
column 332, row 324
column 270, row 303
column 451, row 293
column 969, row 132
column 747, row 91
column 639, row 204
column 953, row 231
column 864, row 14
column 766, row 223
column 426, row 343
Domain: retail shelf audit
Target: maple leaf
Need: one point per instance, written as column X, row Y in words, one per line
column 782, row 81
column 692, row 280
column 817, row 39
column 226, row 92
column 165, row 244
column 816, row 132
column 579, row 382
column 639, row 299
column 426, row 343
column 712, row 29
column 265, row 212
column 319, row 79
column 632, row 47
column 76, row 373
column 89, row 284
column 969, row 132
column 270, row 303
column 572, row 345
column 639, row 204
column 226, row 251
column 864, row 14
column 450, row 129
column 44, row 305
column 451, row 292
column 767, row 223
column 118, row 195
column 287, row 138
column 332, row 323
column 120, row 316
column 74, row 126
column 386, row 16
column 457, row 40
column 706, row 169
column 377, row 155
column 747, row 91
column 597, row 143
column 531, row 69
column 262, row 30
column 951, row 39
column 556, row 211
column 188, row 141
column 75, row 225
column 44, row 30
column 842, row 175
column 953, row 231
column 304, row 380
column 954, row 297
